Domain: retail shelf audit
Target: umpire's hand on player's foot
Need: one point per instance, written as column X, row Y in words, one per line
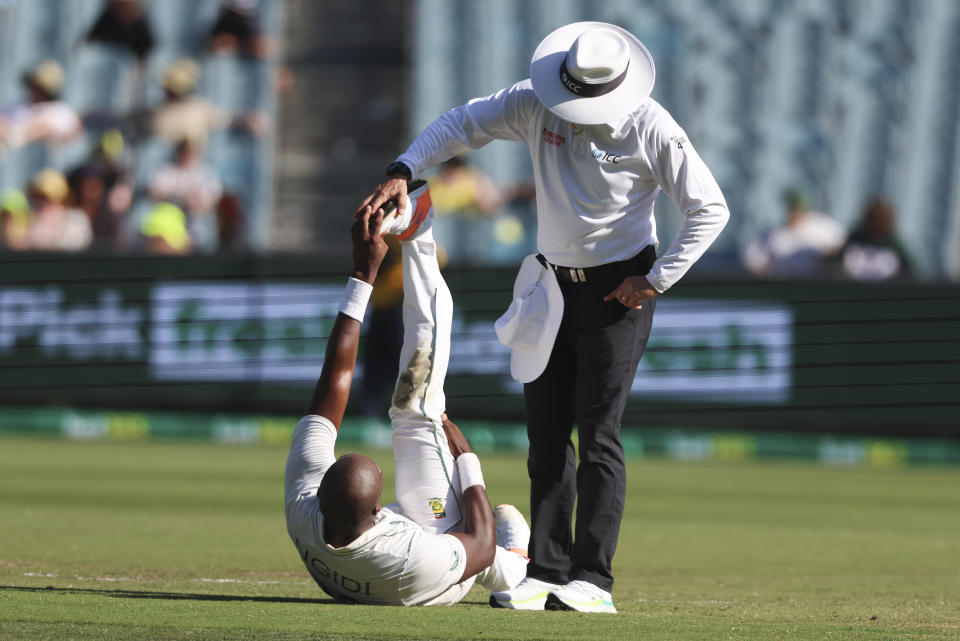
column 395, row 188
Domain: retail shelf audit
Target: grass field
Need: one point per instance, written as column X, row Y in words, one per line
column 113, row 540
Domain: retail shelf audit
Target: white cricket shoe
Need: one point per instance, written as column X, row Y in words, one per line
column 513, row 533
column 416, row 215
column 580, row 596
column 530, row 594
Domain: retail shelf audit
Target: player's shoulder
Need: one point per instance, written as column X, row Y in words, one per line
column 391, row 524
column 433, row 552
column 396, row 539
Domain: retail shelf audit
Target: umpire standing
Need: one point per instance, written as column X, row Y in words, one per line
column 602, row 150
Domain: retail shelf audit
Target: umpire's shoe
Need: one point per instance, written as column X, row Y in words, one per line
column 580, row 596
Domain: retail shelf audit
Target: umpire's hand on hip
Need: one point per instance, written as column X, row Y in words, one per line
column 632, row 292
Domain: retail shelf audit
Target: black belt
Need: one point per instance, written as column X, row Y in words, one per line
column 639, row 264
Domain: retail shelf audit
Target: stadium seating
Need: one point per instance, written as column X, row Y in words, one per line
column 102, row 80
column 845, row 99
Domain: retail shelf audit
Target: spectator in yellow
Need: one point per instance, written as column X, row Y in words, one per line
column 15, row 218
column 464, row 199
column 164, row 230
column 193, row 186
column 43, row 117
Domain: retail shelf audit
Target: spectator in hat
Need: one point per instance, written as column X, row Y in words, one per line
column 193, row 186
column 799, row 248
column 55, row 227
column 164, row 231
column 15, row 218
column 43, row 117
column 185, row 115
column 124, row 23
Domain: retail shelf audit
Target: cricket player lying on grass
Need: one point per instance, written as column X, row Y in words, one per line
column 442, row 535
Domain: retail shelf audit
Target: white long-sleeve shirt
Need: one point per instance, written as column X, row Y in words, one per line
column 596, row 184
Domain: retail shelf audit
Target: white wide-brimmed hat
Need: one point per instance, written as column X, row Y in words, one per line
column 529, row 327
column 592, row 72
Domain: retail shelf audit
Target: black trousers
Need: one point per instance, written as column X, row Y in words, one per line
column 586, row 382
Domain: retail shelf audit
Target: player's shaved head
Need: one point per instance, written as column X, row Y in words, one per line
column 349, row 496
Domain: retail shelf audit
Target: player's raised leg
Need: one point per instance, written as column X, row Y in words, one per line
column 427, row 482
column 426, row 476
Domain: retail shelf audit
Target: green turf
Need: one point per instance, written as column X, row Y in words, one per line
column 108, row 540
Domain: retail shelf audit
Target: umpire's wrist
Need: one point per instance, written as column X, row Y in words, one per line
column 398, row 169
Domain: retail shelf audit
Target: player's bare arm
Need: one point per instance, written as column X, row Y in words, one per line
column 333, row 387
column 632, row 292
column 479, row 533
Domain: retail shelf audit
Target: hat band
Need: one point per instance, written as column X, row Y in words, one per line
column 588, row 90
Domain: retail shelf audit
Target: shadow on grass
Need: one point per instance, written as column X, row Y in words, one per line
column 146, row 594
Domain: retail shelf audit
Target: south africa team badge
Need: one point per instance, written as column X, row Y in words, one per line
column 436, row 506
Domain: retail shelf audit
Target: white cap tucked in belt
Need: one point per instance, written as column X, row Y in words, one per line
column 529, row 327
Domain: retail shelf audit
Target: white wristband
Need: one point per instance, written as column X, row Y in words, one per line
column 355, row 298
column 470, row 473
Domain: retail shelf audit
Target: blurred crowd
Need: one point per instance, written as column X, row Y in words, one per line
column 104, row 200
column 98, row 203
column 479, row 223
column 810, row 244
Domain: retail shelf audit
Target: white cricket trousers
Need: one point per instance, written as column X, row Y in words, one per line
column 427, row 482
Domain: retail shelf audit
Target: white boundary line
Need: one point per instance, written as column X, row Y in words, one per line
column 113, row 579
